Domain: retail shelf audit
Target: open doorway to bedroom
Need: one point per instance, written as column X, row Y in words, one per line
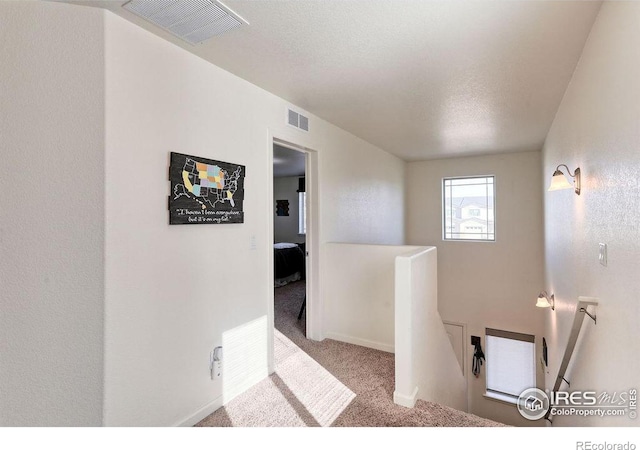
column 290, row 241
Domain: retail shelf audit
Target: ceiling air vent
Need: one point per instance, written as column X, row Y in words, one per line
column 194, row 21
column 297, row 120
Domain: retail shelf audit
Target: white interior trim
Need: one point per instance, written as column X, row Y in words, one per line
column 506, row 399
column 408, row 401
column 361, row 342
column 313, row 309
column 200, row 414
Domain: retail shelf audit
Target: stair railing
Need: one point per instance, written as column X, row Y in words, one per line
column 578, row 319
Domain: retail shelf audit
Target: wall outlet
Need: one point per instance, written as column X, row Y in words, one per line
column 217, row 369
column 602, row 254
column 215, row 363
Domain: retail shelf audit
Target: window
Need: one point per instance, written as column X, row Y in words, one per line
column 511, row 366
column 302, row 213
column 468, row 209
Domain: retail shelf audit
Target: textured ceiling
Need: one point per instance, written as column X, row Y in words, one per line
column 420, row 79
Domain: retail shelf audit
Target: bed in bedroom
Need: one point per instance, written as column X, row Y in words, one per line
column 288, row 263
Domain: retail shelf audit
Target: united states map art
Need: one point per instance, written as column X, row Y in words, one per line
column 205, row 191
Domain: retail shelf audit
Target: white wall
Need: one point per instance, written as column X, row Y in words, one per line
column 596, row 128
column 173, row 291
column 359, row 293
column 425, row 366
column 362, row 196
column 285, row 228
column 91, row 272
column 485, row 284
column 51, row 215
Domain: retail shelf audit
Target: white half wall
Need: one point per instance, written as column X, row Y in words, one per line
column 597, row 129
column 486, row 284
column 426, row 367
column 51, row 215
column 285, row 228
column 359, row 293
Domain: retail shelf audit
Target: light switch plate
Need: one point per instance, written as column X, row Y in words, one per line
column 602, row 254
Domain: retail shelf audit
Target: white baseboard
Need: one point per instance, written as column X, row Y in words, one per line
column 408, row 401
column 358, row 341
column 200, row 414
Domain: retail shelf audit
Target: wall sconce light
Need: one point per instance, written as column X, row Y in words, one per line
column 545, row 301
column 559, row 180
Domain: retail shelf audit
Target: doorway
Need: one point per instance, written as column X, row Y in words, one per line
column 289, row 241
column 294, row 305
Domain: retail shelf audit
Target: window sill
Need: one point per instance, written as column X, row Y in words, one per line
column 506, row 399
column 469, row 240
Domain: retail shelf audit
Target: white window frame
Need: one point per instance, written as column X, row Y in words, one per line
column 302, row 213
column 443, row 212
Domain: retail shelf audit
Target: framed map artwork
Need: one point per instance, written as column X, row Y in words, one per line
column 205, row 191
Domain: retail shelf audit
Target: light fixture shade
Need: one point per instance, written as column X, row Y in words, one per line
column 542, row 302
column 559, row 181
column 545, row 300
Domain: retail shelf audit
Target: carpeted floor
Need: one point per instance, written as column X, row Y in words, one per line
column 304, row 393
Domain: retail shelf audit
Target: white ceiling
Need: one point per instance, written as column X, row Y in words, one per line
column 420, row 79
column 287, row 163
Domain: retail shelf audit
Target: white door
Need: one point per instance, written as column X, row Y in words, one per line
column 455, row 331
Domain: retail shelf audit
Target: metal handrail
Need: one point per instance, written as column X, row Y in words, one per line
column 578, row 318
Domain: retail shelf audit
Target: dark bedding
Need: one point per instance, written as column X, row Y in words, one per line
column 288, row 261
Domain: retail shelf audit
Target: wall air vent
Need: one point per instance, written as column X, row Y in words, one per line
column 194, row 21
column 295, row 119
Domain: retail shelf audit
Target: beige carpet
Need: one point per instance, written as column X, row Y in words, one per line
column 351, row 386
column 300, row 393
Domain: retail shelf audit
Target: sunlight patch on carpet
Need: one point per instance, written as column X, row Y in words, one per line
column 301, row 393
column 321, row 394
column 263, row 406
